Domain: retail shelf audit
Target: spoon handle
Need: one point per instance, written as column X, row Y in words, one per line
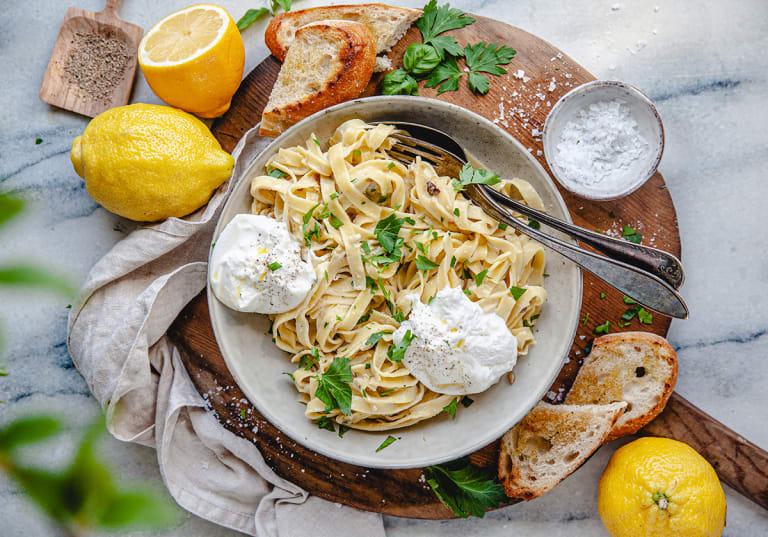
column 647, row 289
column 659, row 263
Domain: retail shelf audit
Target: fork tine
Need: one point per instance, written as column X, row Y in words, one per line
column 416, row 143
column 429, row 157
column 401, row 157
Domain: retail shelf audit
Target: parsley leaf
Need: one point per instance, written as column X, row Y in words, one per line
column 285, row 4
column 251, row 16
column 631, row 234
column 342, row 430
column 387, row 231
column 387, row 442
column 399, row 82
column 423, row 263
column 482, row 58
column 274, row 266
column 333, row 387
column 629, row 314
column 534, row 223
column 470, row 176
column 375, row 337
column 466, row 401
column 274, row 172
column 450, row 409
column 480, row 276
column 627, row 300
column 396, row 352
column 324, row 422
column 335, row 222
column 445, row 77
column 437, row 20
column 464, row 489
column 517, row 292
column 644, row 316
column 603, row 328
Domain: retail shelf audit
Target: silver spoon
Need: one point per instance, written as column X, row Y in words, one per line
column 644, row 287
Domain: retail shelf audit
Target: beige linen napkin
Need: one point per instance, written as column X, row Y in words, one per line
column 117, row 340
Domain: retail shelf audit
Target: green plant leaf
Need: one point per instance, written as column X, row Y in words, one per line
column 46, row 489
column 251, row 16
column 9, row 207
column 396, row 352
column 28, row 431
column 464, row 489
column 333, row 386
column 138, row 508
column 445, row 77
column 28, row 275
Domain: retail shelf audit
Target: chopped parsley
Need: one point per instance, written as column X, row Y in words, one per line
column 38, row 141
column 517, row 292
column 456, row 212
column 324, row 422
column 612, row 214
column 629, row 314
column 334, row 195
column 467, row 401
column 387, row 442
column 315, row 140
column 602, row 296
column 374, row 338
column 274, row 172
column 450, row 409
column 627, row 300
column 534, row 223
column 388, row 392
column 387, row 231
column 502, row 226
column 333, row 386
column 425, row 264
column 390, row 165
column 243, row 415
column 470, row 176
column 356, row 152
column 396, row 352
column 603, row 328
column 421, row 247
column 453, row 261
column 585, row 319
column 644, row 316
column 335, row 222
column 464, row 488
column 480, row 276
column 343, row 429
column 274, row 266
column 631, row 234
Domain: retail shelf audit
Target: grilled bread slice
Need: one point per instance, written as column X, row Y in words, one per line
column 550, row 443
column 330, row 62
column 388, row 24
column 639, row 368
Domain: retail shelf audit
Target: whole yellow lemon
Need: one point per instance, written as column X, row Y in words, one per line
column 148, row 162
column 657, row 487
column 193, row 59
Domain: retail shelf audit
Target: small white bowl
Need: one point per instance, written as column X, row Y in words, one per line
column 642, row 111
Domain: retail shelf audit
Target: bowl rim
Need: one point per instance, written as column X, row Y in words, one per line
column 494, row 433
column 580, row 91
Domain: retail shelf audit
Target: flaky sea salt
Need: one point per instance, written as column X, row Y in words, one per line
column 599, row 145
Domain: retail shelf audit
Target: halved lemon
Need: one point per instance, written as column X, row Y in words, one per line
column 193, row 59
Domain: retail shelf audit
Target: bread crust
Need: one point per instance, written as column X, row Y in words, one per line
column 357, row 59
column 279, row 50
column 665, row 352
column 559, row 425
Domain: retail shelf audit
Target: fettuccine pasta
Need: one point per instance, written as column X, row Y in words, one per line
column 332, row 201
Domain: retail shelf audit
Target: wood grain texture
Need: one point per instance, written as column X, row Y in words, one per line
column 56, row 90
column 649, row 209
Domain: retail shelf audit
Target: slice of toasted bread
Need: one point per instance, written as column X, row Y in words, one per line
column 639, row 368
column 388, row 24
column 329, row 62
column 550, row 443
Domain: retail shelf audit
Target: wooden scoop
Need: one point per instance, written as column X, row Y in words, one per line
column 93, row 64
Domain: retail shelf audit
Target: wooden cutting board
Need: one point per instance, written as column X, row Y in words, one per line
column 518, row 102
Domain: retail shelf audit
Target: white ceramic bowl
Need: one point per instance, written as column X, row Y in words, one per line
column 258, row 365
column 642, row 111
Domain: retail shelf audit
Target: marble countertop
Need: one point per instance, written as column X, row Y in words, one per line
column 702, row 62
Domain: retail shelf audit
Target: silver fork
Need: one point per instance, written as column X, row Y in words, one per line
column 645, row 287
